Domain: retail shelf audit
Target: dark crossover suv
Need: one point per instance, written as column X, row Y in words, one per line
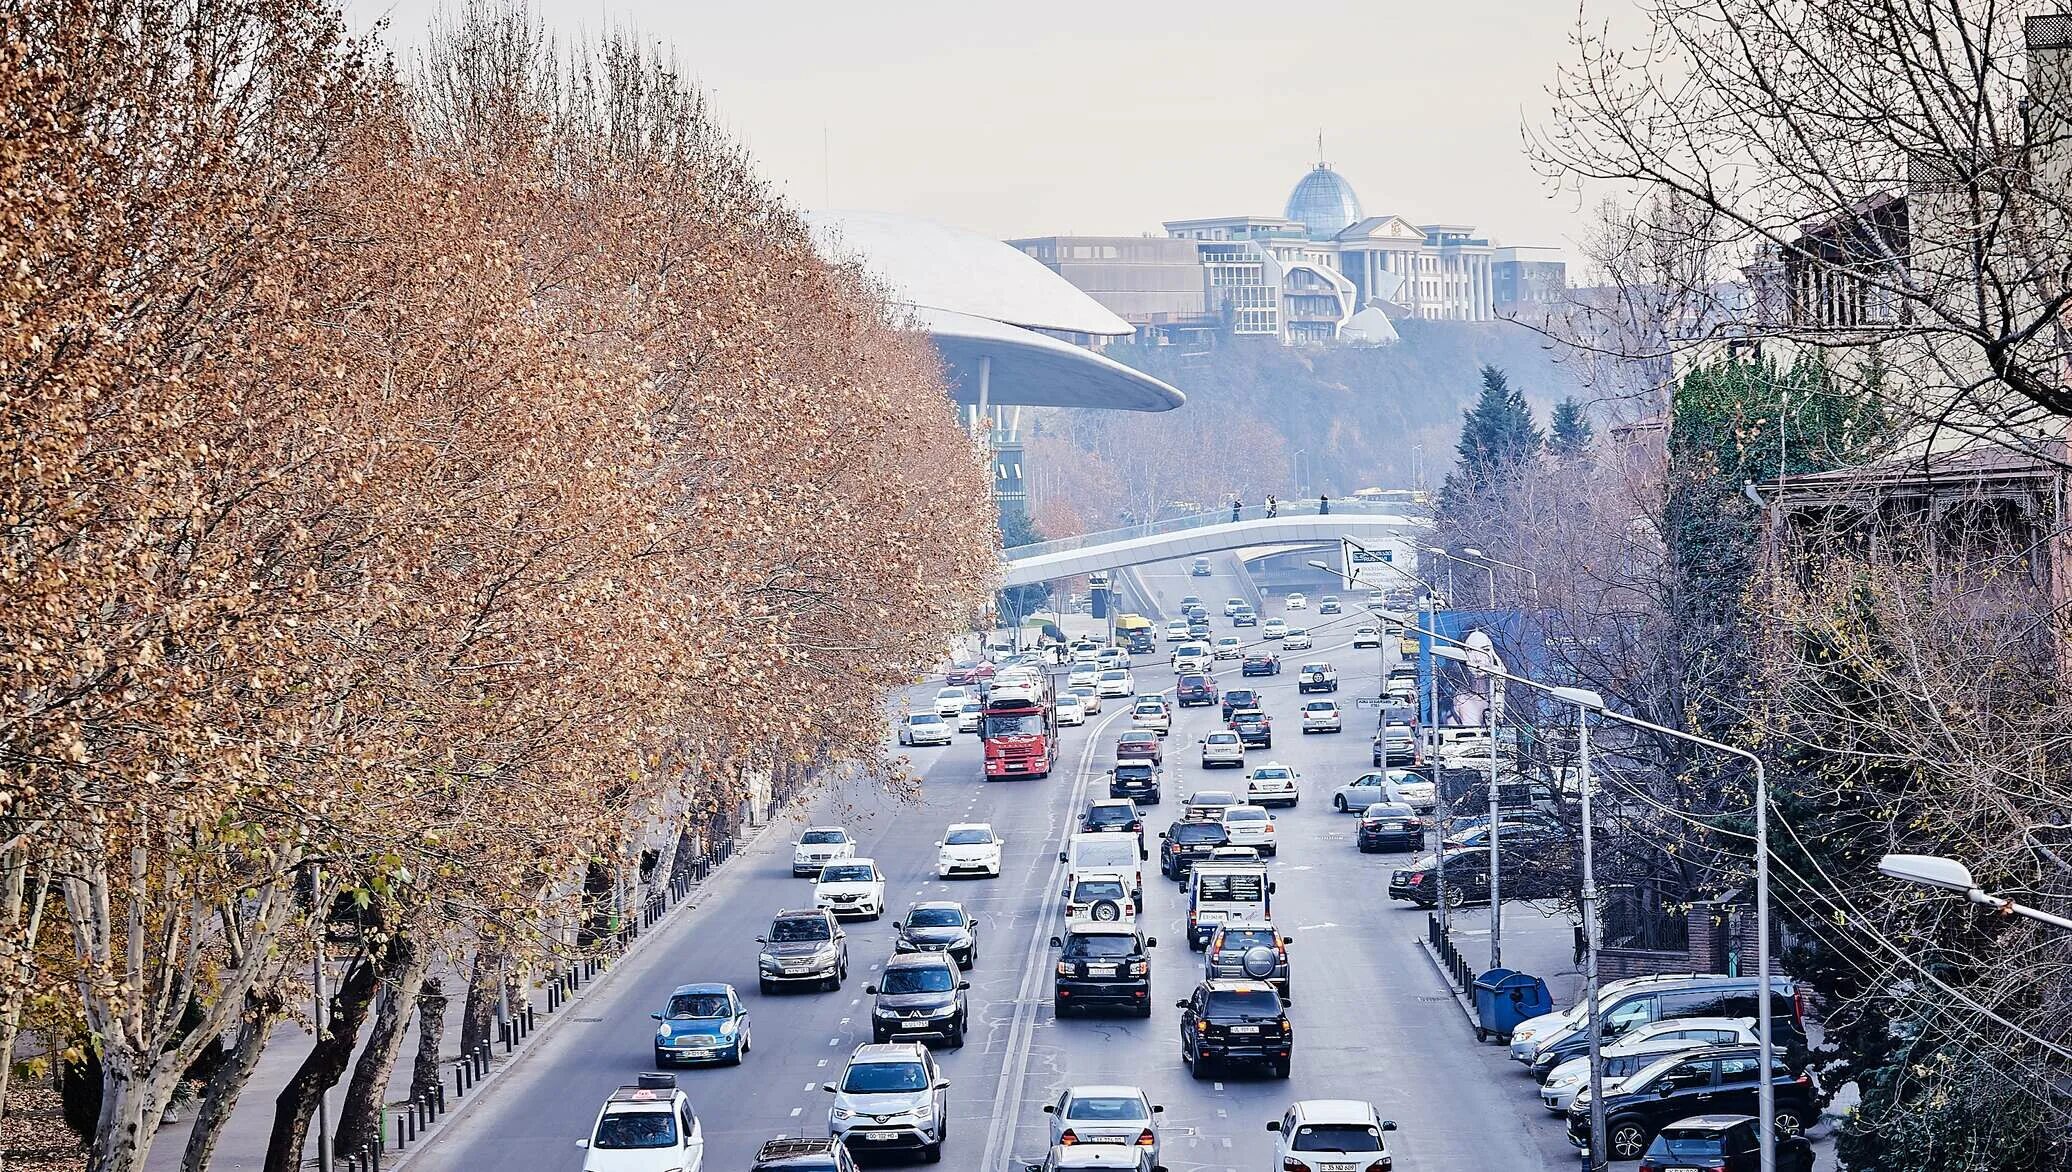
column 803, row 1155
column 1467, row 877
column 940, row 925
column 1227, row 953
column 1236, row 1021
column 1138, row 780
column 1692, row 1083
column 1238, row 699
column 803, row 947
column 919, row 997
column 1102, row 966
column 1187, row 842
column 1252, row 728
column 1195, row 689
column 1721, row 1143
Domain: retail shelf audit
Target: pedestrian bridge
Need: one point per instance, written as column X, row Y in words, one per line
column 1299, row 523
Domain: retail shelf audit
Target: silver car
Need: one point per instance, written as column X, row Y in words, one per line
column 891, row 1097
column 1105, row 1115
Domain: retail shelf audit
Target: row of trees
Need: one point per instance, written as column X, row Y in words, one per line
column 418, row 488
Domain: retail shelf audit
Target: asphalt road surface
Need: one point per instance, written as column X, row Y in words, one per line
column 1372, row 1020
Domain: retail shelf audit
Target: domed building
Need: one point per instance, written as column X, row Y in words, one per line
column 1324, row 203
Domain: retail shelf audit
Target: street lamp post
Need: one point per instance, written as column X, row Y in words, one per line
column 1950, row 875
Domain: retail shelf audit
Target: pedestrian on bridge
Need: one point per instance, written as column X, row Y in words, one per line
column 1273, row 506
column 1323, row 505
column 1237, row 508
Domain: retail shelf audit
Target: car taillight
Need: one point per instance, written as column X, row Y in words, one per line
column 1269, row 828
column 1417, row 880
column 1068, row 1138
column 1128, row 908
column 1382, row 1165
column 1145, row 1139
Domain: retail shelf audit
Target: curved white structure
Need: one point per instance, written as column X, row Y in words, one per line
column 1369, row 528
column 1025, row 368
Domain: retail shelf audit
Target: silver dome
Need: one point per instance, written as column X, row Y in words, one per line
column 1324, row 203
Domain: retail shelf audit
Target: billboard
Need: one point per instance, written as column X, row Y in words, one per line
column 1369, row 569
column 1466, row 694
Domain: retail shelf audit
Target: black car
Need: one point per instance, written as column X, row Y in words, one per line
column 1260, row 664
column 1691, row 1084
column 1329, row 605
column 1198, row 625
column 1102, row 966
column 1385, row 827
column 1235, row 1021
column 1187, row 842
column 803, row 1155
column 1195, row 688
column 1239, row 699
column 1142, row 642
column 1140, row 781
column 1244, row 617
column 1253, row 728
column 940, row 925
column 803, row 947
column 1467, row 877
column 919, row 996
column 1721, row 1143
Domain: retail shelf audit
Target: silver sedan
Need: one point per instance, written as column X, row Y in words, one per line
column 1105, row 1114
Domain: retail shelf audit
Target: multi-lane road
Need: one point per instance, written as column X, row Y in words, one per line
column 1372, row 1020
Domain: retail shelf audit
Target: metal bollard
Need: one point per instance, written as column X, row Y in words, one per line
column 410, row 1121
column 440, row 1103
column 528, row 1019
column 458, row 1089
column 374, row 1159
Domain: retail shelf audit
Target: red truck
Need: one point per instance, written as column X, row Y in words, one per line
column 1020, row 728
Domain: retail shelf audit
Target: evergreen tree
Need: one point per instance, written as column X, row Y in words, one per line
column 1569, row 428
column 1497, row 439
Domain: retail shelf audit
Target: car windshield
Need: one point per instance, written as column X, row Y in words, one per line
column 1111, row 814
column 1100, row 946
column 1243, row 938
column 1692, row 1147
column 951, row 694
column 794, row 931
column 1397, row 730
column 1137, row 737
column 1133, row 772
column 1229, row 641
column 1322, row 706
column 1297, row 631
column 1082, row 690
column 1271, row 774
column 822, row 837
column 1337, row 1137
column 935, row 917
column 1093, row 889
column 924, row 718
column 1195, row 833
column 1243, row 1002
column 1026, row 724
column 880, row 1078
column 1213, row 797
column 1114, row 673
column 1241, row 814
column 969, row 837
column 846, row 873
column 932, row 978
column 1223, row 738
column 636, row 1129
column 1374, row 812
column 1249, row 716
column 1107, row 1110
column 1316, row 667
column 692, row 1006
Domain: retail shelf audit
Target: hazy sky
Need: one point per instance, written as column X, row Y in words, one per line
column 1023, row 119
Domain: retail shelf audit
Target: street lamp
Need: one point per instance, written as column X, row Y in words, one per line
column 1950, row 875
column 1532, row 578
column 1460, row 653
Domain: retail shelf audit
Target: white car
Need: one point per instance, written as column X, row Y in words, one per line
column 1190, row 659
column 1321, row 716
column 1117, row 682
column 1330, row 1135
column 1402, row 687
column 851, row 887
column 1089, row 694
column 1222, row 747
column 1639, row 1047
column 1367, row 637
column 1176, row 631
column 1102, row 897
column 969, row 716
column 1071, row 710
column 1273, row 783
column 1297, row 639
column 1297, row 601
column 1230, row 647
column 646, row 1127
column 1109, row 657
column 1275, row 629
column 924, row 728
column 1250, row 825
column 1083, row 674
column 819, row 846
column 948, row 701
column 1233, row 605
column 968, row 848
column 1087, row 653
column 1385, row 787
column 1151, row 712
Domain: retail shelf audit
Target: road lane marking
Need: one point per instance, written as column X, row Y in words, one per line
column 812, row 1086
column 797, row 1111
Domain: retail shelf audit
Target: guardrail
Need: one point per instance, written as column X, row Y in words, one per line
column 1352, row 506
column 1457, row 967
column 403, row 1124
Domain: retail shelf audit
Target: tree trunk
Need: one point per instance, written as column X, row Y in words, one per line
column 481, row 1000
column 431, row 1028
column 219, row 1099
column 359, row 1120
column 320, row 1071
column 21, row 915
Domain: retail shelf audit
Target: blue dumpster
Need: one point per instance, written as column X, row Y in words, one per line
column 1505, row 997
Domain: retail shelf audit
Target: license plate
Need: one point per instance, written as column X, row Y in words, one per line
column 1244, row 1029
column 1680, row 1168
column 881, row 1135
column 1337, row 1167
column 1100, row 970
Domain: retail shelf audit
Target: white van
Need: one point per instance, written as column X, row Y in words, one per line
column 1105, row 853
column 1219, row 891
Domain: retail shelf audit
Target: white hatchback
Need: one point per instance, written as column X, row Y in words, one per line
column 1321, row 716
column 1071, row 710
column 851, row 887
column 1330, row 1135
column 1222, row 747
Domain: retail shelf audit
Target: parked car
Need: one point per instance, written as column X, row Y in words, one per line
column 1140, row 780
column 1321, row 716
column 1639, row 1048
column 1102, row 965
column 1226, row 1022
column 1685, row 996
column 1222, row 748
column 1467, row 878
column 1316, row 677
column 1716, row 1080
column 1395, row 744
column 1386, row 826
column 1721, row 1143
column 702, row 1023
column 1331, row 1135
column 1386, row 786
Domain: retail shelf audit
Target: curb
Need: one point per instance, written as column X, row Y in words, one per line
column 486, row 1085
column 1460, row 999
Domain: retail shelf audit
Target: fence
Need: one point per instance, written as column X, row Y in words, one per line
column 404, row 1124
column 1458, row 968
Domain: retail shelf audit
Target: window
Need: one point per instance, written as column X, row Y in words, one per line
column 969, row 837
column 880, row 1078
column 693, row 1006
column 1080, row 947
column 820, row 837
column 636, row 1129
column 1738, row 1070
column 1639, row 1011
column 1244, row 1002
column 918, row 979
column 1337, row 1137
column 1687, row 1076
column 1107, row 1110
column 794, row 931
column 935, row 917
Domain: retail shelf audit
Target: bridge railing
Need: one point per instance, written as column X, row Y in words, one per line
column 1352, row 506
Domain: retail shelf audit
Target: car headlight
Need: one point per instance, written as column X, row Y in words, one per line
column 663, row 1034
column 840, row 1113
column 727, row 1028
column 924, row 1112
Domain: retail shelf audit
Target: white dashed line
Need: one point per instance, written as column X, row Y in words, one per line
column 812, row 1086
column 845, row 1021
column 1219, row 1086
column 834, row 1041
column 822, row 1062
column 797, row 1111
column 856, row 1001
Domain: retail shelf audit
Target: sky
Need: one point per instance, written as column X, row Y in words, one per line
column 1082, row 117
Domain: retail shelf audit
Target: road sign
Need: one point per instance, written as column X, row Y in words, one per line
column 1368, row 702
